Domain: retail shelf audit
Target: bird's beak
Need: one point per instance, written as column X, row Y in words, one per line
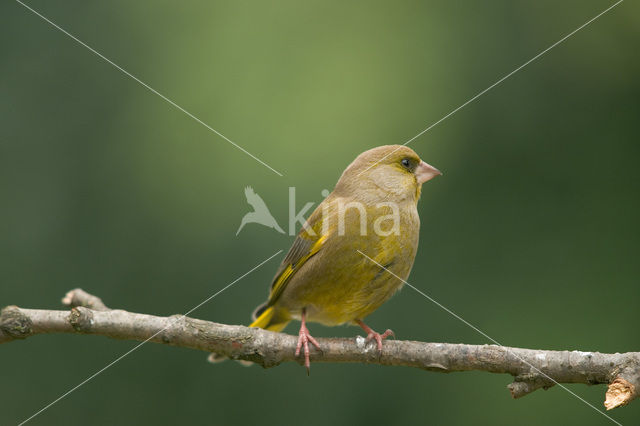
column 425, row 172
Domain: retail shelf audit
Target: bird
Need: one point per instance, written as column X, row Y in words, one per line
column 354, row 251
column 261, row 213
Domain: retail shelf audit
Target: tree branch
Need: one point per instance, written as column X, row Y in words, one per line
column 531, row 369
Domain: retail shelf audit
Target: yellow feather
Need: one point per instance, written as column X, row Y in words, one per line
column 268, row 322
column 283, row 279
column 263, row 320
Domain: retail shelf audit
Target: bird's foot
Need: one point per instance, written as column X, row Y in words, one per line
column 303, row 344
column 379, row 337
column 373, row 335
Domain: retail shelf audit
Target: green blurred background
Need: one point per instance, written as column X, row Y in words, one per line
column 531, row 235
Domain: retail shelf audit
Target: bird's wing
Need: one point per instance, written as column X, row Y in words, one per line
column 304, row 247
column 255, row 200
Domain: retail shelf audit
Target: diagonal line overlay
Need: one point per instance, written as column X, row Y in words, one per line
column 94, row 375
column 492, row 339
column 146, row 86
column 497, row 82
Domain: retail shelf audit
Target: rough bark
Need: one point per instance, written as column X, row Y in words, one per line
column 531, row 368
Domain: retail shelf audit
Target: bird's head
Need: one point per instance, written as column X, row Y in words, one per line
column 386, row 173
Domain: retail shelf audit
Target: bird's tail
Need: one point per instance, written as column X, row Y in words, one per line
column 270, row 318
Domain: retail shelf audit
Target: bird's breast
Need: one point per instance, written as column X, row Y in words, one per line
column 355, row 272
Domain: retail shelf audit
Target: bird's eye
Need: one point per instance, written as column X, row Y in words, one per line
column 405, row 162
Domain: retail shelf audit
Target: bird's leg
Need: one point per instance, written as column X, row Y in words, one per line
column 372, row 335
column 303, row 341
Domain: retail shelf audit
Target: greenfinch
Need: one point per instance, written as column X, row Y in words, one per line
column 325, row 277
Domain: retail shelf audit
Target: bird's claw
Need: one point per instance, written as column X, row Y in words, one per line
column 379, row 337
column 303, row 344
